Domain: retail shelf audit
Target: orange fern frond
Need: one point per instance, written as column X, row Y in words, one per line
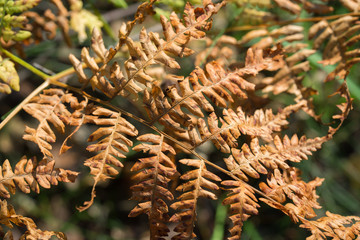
column 243, row 204
column 233, row 125
column 8, row 217
column 338, row 37
column 153, row 176
column 288, row 33
column 155, row 50
column 111, row 140
column 252, row 159
column 288, row 185
column 334, row 226
column 213, row 83
column 50, row 107
column 199, row 184
column 29, row 175
column 108, row 79
column 309, row 6
column 352, row 5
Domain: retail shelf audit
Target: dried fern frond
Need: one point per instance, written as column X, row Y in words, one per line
column 111, row 143
column 155, row 50
column 254, row 159
column 221, row 102
column 199, row 185
column 352, row 5
column 222, row 52
column 213, row 83
column 47, row 108
column 108, row 79
column 333, row 226
column 234, row 124
column 287, row 33
column 345, row 107
column 339, row 37
column 8, row 217
column 151, row 51
column 29, row 175
column 243, row 204
column 309, row 6
column 288, row 185
column 41, row 25
column 290, row 78
column 152, row 178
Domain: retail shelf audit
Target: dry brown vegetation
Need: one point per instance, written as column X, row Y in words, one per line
column 227, row 100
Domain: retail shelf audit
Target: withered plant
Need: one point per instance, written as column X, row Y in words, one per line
column 231, row 99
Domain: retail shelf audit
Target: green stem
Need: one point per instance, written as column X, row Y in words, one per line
column 25, row 64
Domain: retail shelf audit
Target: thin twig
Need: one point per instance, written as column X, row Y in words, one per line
column 24, row 102
column 25, row 64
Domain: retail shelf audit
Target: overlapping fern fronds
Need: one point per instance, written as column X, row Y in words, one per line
column 222, row 103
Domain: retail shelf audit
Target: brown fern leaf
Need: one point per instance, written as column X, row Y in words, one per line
column 40, row 24
column 28, row 175
column 342, row 91
column 351, row 5
column 243, row 204
column 155, row 50
column 233, row 125
column 78, row 118
column 213, row 83
column 151, row 189
column 289, row 78
column 8, row 217
column 111, row 140
column 288, row 33
column 199, row 184
column 221, row 52
column 309, row 6
column 333, row 226
column 50, row 107
column 340, row 35
column 288, row 185
column 108, row 79
column 48, row 22
column 254, row 159
column 142, row 11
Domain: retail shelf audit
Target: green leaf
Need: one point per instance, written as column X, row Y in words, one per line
column 119, row 3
